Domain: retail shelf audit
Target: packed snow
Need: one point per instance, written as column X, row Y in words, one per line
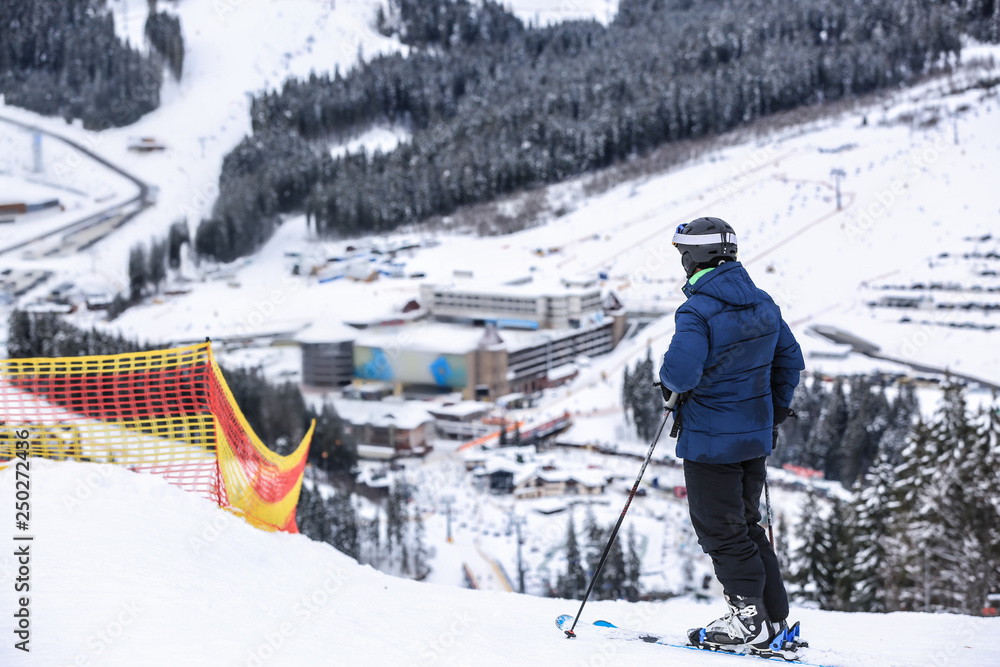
column 127, row 570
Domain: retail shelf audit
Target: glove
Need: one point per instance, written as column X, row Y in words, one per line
column 663, row 390
column 780, row 415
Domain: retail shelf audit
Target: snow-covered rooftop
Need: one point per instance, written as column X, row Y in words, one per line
column 401, row 414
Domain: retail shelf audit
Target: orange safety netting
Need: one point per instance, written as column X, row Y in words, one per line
column 166, row 412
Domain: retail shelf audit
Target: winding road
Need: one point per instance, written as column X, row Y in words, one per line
column 86, row 231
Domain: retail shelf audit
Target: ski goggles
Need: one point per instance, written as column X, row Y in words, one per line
column 715, row 238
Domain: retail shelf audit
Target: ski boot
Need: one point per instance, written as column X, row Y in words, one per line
column 746, row 629
column 785, row 642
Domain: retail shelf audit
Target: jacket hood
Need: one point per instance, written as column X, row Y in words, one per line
column 729, row 283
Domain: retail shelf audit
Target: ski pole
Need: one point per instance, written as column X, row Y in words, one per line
column 767, row 491
column 614, row 532
column 767, row 504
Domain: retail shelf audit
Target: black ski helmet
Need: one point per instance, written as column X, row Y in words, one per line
column 705, row 242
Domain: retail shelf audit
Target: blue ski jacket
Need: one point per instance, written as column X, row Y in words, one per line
column 738, row 359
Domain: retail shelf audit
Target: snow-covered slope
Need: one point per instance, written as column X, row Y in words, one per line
column 126, row 570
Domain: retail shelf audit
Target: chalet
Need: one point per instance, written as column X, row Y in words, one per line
column 386, row 429
column 462, row 419
column 544, row 483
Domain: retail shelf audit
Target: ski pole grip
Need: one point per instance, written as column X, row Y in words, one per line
column 672, row 400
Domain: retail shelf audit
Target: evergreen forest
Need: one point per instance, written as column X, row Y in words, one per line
column 493, row 106
column 63, row 58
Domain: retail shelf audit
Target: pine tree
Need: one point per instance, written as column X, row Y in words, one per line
column 344, row 517
column 592, row 536
column 868, row 420
column 823, row 449
column 645, row 400
column 903, row 410
column 138, row 271
column 930, row 542
column 312, row 516
column 421, row 567
column 812, row 570
column 961, row 559
column 331, row 447
column 633, row 567
column 627, row 406
column 611, row 584
column 177, row 236
column 873, row 511
column 979, row 476
column 794, row 435
column 395, row 518
column 157, row 263
column 841, row 526
column 573, row 584
column 910, row 478
column 372, row 542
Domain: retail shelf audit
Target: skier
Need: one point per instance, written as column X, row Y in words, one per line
column 735, row 364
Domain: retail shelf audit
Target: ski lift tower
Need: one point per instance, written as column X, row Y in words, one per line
column 838, row 174
column 36, row 150
column 448, row 501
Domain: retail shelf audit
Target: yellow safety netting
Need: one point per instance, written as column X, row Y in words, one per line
column 166, row 412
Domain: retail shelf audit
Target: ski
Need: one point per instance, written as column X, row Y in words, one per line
column 785, row 647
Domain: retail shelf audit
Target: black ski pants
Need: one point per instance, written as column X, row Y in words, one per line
column 724, row 501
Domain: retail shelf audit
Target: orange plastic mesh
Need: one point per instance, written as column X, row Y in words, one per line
column 166, row 412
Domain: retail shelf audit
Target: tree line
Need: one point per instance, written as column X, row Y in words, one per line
column 845, row 423
column 921, row 532
column 63, row 58
column 494, row 106
column 163, row 31
column 392, row 541
column 618, row 580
